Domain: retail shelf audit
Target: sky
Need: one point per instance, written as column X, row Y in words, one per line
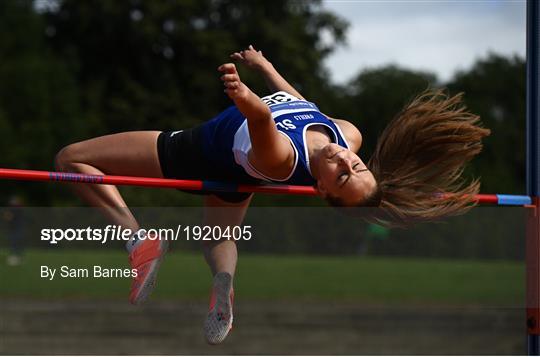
column 438, row 36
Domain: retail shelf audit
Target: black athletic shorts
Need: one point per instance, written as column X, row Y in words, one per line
column 181, row 157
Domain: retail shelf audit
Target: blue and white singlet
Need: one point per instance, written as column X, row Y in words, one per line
column 226, row 139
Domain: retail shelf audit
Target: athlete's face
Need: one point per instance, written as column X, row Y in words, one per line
column 342, row 174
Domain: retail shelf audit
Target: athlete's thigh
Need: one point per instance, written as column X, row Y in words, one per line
column 131, row 153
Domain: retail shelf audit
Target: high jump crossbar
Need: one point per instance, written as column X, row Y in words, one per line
column 201, row 185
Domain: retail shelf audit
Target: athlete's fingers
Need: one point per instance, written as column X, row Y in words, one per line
column 231, row 85
column 231, row 92
column 230, row 77
column 227, row 68
column 237, row 56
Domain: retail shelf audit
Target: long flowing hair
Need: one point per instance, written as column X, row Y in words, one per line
column 419, row 160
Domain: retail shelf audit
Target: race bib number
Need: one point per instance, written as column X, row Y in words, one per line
column 278, row 98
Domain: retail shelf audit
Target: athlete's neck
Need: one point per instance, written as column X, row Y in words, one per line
column 316, row 138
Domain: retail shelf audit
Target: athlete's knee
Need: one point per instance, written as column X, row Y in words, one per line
column 65, row 158
column 215, row 241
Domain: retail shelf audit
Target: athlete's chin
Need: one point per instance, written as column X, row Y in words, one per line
column 319, row 193
column 329, row 150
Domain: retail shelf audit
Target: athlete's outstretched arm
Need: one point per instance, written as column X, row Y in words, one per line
column 274, row 81
column 255, row 60
column 269, row 148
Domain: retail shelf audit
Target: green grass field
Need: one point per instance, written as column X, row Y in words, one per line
column 259, row 277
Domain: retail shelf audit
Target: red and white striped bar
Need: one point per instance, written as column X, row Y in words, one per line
column 196, row 185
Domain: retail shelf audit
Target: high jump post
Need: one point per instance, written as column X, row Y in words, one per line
column 533, row 179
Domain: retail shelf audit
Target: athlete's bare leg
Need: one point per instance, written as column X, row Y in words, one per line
column 222, row 255
column 131, row 154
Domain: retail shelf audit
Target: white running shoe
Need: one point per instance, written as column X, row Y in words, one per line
column 219, row 321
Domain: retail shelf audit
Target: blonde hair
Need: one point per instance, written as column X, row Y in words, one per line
column 419, row 160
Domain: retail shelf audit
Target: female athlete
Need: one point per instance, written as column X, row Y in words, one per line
column 283, row 138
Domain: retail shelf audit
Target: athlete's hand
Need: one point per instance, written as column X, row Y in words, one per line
column 235, row 89
column 251, row 58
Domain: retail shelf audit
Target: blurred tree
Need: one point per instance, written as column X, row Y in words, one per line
column 376, row 95
column 153, row 64
column 38, row 96
column 495, row 89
